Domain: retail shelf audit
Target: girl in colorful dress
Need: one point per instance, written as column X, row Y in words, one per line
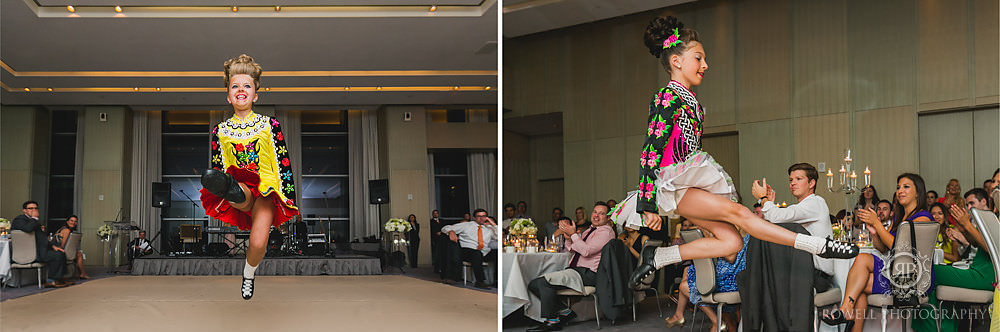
column 256, row 190
column 678, row 179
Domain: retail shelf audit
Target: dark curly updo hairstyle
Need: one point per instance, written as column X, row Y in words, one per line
column 658, row 30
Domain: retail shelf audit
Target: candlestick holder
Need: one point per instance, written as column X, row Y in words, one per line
column 847, row 184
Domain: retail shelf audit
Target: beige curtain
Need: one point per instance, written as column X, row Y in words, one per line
column 362, row 140
column 146, row 169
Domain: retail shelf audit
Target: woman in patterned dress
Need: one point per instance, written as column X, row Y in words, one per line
column 256, row 190
column 678, row 179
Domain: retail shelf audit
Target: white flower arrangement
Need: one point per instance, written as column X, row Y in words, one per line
column 105, row 232
column 397, row 225
column 4, row 223
column 523, row 226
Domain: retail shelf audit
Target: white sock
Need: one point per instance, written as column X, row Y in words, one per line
column 811, row 244
column 248, row 270
column 666, row 255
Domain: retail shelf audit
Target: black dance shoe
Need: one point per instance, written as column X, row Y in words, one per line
column 647, row 268
column 247, row 289
column 841, row 250
column 222, row 185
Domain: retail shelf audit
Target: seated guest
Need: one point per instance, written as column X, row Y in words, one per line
column 47, row 252
column 508, row 215
column 633, row 241
column 946, row 234
column 932, row 197
column 865, row 276
column 586, row 249
column 548, row 230
column 522, row 210
column 62, row 237
column 952, row 196
column 868, row 198
column 757, row 210
column 473, row 238
column 726, row 270
column 581, row 221
column 139, row 247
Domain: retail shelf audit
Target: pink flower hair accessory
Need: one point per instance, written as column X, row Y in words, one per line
column 672, row 40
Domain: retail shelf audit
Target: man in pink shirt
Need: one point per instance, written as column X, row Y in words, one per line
column 586, row 248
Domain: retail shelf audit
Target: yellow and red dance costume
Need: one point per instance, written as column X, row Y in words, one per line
column 252, row 149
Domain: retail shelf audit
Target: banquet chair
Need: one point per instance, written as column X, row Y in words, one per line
column 23, row 254
column 926, row 237
column 466, row 271
column 72, row 246
column 587, row 291
column 988, row 224
column 705, row 281
column 646, row 284
column 829, row 297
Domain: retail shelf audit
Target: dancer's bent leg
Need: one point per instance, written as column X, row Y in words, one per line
column 263, row 217
column 248, row 203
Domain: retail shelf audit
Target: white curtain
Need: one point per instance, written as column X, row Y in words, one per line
column 362, row 138
column 146, row 145
column 483, row 181
column 291, row 127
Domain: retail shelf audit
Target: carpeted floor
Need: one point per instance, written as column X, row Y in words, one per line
column 280, row 303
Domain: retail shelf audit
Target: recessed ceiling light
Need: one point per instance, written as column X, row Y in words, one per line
column 157, row 89
column 434, row 8
column 378, row 88
column 27, row 90
column 347, row 88
column 456, row 88
column 71, row 9
column 135, row 89
column 277, row 8
column 118, row 9
column 50, row 89
column 267, row 89
column 488, row 87
column 235, row 9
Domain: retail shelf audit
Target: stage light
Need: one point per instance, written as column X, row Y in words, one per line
column 118, row 9
column 71, row 9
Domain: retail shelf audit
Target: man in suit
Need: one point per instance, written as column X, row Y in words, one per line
column 139, row 247
column 473, row 237
column 49, row 253
column 436, row 238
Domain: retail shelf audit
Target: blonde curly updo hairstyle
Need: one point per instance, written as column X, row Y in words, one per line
column 243, row 65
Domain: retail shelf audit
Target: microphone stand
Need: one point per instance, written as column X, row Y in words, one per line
column 193, row 206
column 326, row 228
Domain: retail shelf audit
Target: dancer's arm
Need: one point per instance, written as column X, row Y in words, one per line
column 216, row 159
column 284, row 163
column 663, row 110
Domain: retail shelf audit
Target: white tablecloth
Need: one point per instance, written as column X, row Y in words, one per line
column 518, row 270
column 4, row 259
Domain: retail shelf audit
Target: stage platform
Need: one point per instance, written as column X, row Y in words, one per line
column 342, row 264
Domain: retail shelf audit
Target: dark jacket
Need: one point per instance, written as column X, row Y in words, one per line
column 612, row 275
column 29, row 225
column 777, row 286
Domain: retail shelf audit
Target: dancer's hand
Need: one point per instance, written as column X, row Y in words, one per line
column 452, row 236
column 652, row 220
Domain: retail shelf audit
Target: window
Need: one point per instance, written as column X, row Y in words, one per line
column 325, row 187
column 62, row 166
column 451, row 184
column 186, row 138
column 462, row 115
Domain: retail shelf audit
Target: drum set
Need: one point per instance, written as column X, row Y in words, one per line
column 294, row 239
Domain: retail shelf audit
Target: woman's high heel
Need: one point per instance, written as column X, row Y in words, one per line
column 670, row 323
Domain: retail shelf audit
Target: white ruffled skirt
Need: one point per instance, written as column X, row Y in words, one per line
column 698, row 171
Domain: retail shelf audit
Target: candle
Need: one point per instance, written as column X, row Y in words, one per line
column 843, row 174
column 829, row 178
column 868, row 176
column 854, row 179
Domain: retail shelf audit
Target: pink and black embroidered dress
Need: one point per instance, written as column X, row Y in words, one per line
column 672, row 160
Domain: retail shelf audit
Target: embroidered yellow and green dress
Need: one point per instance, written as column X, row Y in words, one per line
column 252, row 149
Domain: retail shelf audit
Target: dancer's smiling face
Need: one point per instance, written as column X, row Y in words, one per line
column 242, row 92
column 689, row 67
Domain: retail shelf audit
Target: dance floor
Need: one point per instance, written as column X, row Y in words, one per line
column 280, row 303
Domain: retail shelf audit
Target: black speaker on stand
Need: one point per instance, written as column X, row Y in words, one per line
column 378, row 194
column 161, row 199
